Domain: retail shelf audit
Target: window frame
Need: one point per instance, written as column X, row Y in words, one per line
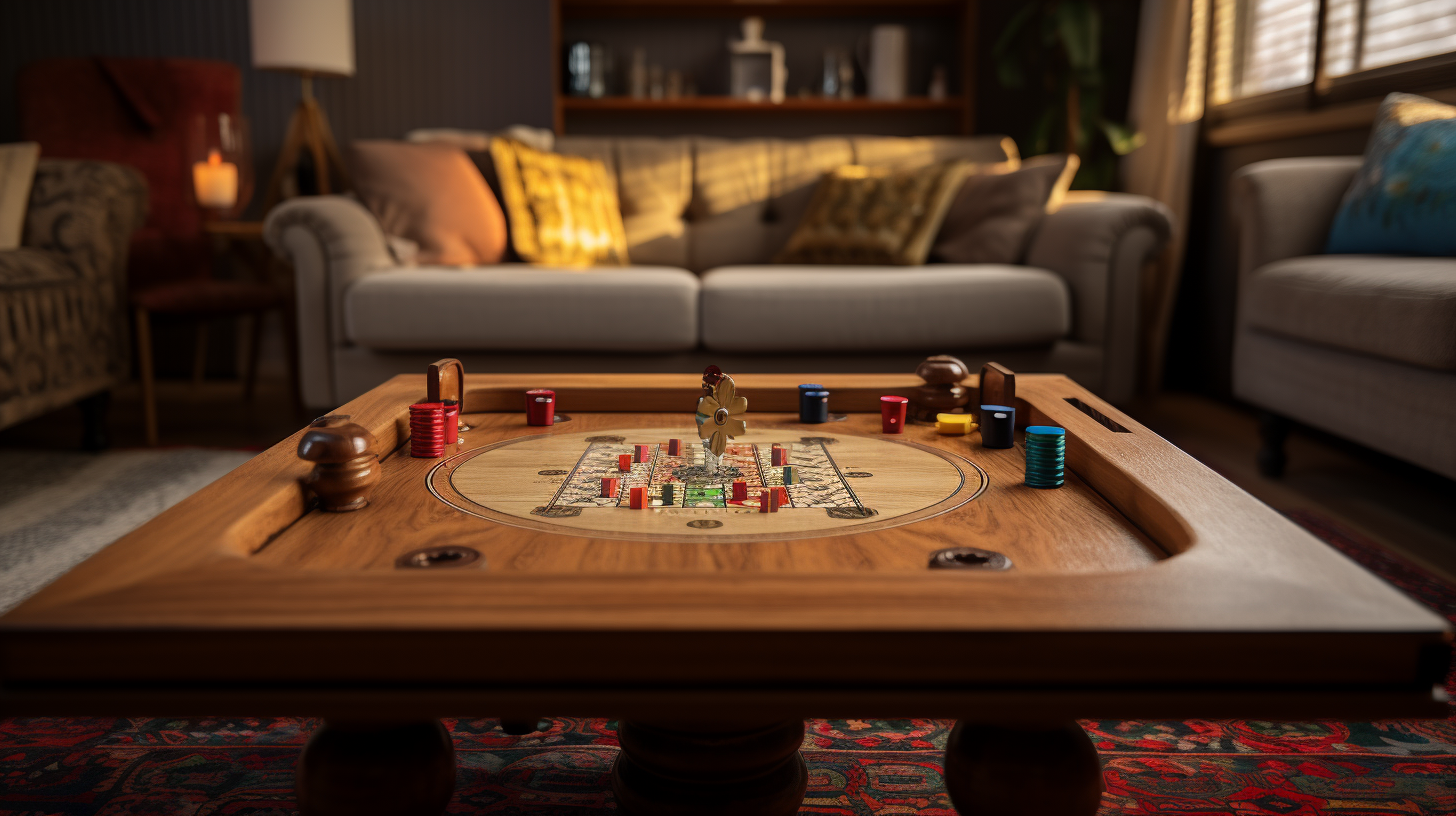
column 1430, row 73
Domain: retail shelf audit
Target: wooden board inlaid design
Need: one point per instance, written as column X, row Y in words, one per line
column 553, row 482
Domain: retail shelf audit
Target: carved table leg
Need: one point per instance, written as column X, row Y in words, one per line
column 376, row 769
column 674, row 771
column 1035, row 770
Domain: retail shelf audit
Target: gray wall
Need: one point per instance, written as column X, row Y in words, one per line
column 422, row 63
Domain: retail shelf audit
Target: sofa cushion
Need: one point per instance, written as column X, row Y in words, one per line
column 430, row 194
column 749, row 194
column 992, row 216
column 1399, row 308
column 515, row 306
column 564, row 209
column 653, row 179
column 879, row 215
column 876, row 309
column 1403, row 200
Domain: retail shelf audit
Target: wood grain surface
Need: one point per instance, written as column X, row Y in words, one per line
column 1147, row 572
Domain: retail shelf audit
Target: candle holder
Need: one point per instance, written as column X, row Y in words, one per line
column 220, row 164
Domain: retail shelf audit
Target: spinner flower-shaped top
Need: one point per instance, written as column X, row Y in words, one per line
column 718, row 415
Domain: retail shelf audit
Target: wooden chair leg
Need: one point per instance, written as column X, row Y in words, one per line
column 255, row 345
column 149, row 385
column 199, row 360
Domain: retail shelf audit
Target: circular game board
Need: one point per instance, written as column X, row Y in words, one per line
column 828, row 484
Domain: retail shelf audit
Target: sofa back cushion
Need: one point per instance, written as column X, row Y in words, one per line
column 699, row 202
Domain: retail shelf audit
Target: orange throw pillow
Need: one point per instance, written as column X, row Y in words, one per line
column 432, row 194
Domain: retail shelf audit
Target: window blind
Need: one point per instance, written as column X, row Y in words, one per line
column 1392, row 31
column 1278, row 45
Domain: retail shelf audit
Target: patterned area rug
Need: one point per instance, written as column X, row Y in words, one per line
column 244, row 767
column 56, row 509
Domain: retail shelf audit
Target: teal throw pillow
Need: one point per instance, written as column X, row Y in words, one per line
column 1403, row 202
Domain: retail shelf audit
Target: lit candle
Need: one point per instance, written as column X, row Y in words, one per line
column 215, row 181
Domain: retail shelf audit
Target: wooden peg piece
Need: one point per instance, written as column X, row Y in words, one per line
column 445, row 382
column 942, row 392
column 346, row 462
column 998, row 385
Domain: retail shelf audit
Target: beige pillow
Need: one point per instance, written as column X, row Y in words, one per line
column 433, row 195
column 17, row 172
column 864, row 215
column 563, row 209
column 993, row 214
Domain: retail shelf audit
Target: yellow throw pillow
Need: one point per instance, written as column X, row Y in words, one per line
column 864, row 215
column 562, row 209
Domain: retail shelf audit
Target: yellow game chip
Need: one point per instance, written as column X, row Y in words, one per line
column 955, row 424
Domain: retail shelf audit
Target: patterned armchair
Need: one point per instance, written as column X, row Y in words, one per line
column 63, row 306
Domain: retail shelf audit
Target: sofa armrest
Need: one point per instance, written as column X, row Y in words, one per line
column 331, row 241
column 1099, row 246
column 83, row 213
column 1283, row 208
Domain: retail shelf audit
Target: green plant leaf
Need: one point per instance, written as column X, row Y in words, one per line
column 1079, row 27
column 1123, row 139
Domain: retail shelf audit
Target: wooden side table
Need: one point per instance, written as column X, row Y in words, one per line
column 267, row 287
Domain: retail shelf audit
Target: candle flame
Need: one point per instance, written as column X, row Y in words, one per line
column 214, row 157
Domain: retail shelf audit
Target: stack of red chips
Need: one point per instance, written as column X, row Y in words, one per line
column 427, row 430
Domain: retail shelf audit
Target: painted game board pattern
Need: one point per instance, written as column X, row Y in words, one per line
column 815, row 480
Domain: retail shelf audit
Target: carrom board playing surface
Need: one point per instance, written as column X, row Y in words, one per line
column 497, row 581
column 834, row 484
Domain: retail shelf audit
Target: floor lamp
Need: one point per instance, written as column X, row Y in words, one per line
column 310, row 38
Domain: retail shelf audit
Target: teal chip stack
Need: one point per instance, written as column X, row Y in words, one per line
column 1046, row 453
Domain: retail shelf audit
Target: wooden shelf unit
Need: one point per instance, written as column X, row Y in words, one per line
column 959, row 15
column 733, row 104
column 762, row 8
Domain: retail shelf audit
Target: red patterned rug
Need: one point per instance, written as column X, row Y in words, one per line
column 212, row 767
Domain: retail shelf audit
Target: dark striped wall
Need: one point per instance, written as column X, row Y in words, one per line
column 419, row 63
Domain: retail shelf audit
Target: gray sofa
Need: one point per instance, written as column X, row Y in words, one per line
column 1361, row 346
column 703, row 219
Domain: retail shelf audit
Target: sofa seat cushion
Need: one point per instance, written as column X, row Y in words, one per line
column 875, row 309
column 524, row 307
column 1398, row 308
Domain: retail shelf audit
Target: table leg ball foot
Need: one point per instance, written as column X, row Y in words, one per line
column 669, row 771
column 376, row 769
column 1034, row 770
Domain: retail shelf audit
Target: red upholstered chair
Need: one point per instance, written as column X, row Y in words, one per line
column 137, row 112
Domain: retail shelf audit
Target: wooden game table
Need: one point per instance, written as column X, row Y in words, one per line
column 481, row 584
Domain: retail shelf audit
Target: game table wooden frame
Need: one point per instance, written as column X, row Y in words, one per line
column 712, row 671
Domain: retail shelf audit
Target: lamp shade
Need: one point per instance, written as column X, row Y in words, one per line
column 313, row 36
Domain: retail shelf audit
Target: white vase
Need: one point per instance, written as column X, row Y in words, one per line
column 889, row 62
